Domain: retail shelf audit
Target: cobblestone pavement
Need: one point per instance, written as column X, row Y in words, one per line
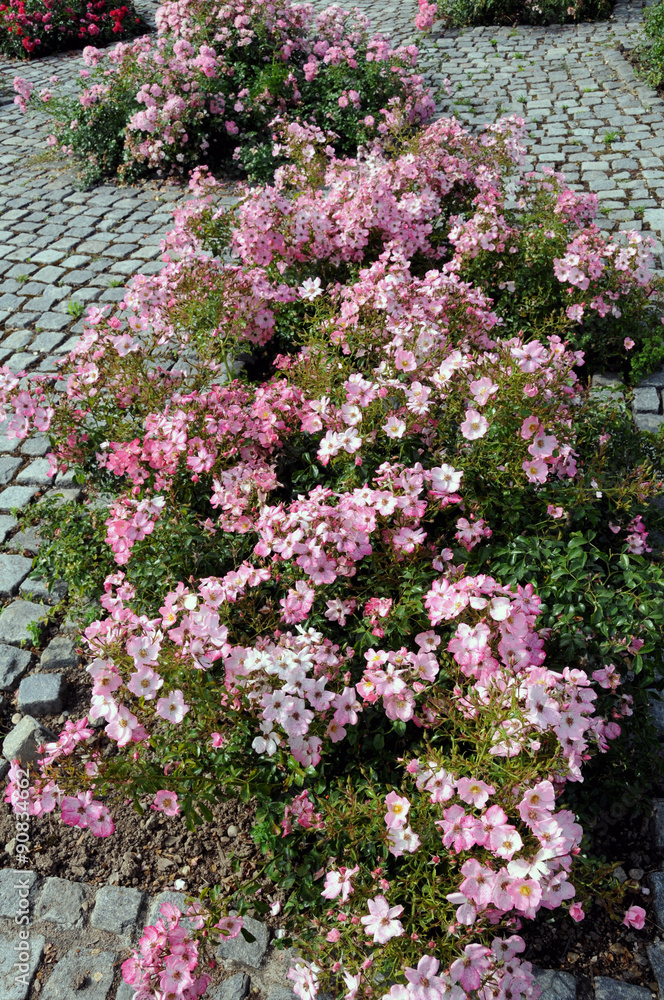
column 62, row 248
column 587, row 114
column 75, row 939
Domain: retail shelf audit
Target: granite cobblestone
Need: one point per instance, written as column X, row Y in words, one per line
column 93, row 929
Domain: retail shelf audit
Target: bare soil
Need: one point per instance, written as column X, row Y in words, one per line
column 150, row 852
column 601, row 945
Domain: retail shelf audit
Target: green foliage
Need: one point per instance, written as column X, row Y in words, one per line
column 98, row 139
column 75, row 308
column 463, row 13
column 650, row 51
column 34, row 631
column 592, row 599
column 532, row 301
column 75, row 549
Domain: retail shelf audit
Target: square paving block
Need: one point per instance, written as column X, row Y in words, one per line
column 117, row 910
column 61, row 902
column 83, row 973
column 19, row 965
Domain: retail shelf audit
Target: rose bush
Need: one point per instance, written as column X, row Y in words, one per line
column 292, row 717
column 37, row 27
column 209, row 87
column 368, row 551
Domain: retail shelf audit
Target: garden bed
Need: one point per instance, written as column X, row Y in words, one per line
column 147, row 852
column 150, row 852
column 597, row 946
column 34, row 28
column 392, row 587
column 235, row 78
column 155, row 853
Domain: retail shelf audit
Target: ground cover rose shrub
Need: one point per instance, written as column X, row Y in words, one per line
column 115, row 421
column 36, row 27
column 448, row 203
column 482, row 852
column 463, row 13
column 209, row 86
column 498, row 856
column 392, row 581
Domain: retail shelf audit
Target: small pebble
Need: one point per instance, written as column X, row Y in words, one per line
column 620, row 874
column 10, row 845
column 179, row 884
column 232, row 831
column 16, row 718
column 636, row 873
